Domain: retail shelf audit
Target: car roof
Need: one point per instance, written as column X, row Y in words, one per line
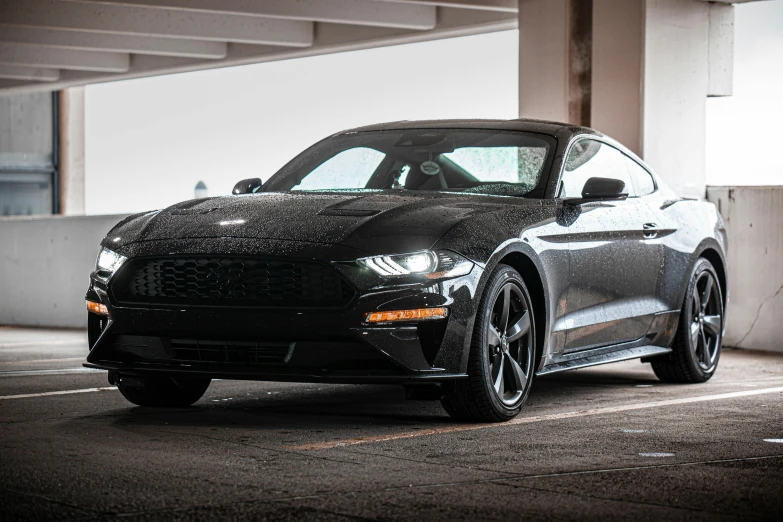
column 552, row 128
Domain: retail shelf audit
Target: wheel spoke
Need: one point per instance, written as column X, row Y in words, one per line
column 695, row 330
column 506, row 306
column 493, row 336
column 705, row 350
column 499, row 379
column 520, row 379
column 712, row 325
column 518, row 329
column 705, row 296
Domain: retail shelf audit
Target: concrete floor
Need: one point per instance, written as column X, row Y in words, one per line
column 603, row 443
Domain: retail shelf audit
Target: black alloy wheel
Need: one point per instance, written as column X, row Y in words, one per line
column 501, row 363
column 697, row 344
column 509, row 344
column 706, row 321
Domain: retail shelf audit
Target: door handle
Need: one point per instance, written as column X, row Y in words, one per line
column 650, row 230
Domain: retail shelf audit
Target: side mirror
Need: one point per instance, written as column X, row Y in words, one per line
column 247, row 186
column 600, row 189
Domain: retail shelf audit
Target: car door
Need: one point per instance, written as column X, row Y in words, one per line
column 614, row 270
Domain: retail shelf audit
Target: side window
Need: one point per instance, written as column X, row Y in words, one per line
column 592, row 159
column 642, row 180
column 351, row 168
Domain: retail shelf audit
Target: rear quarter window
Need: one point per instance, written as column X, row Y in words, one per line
column 641, row 179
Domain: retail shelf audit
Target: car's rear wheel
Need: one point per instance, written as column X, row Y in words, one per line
column 502, row 353
column 697, row 344
column 163, row 392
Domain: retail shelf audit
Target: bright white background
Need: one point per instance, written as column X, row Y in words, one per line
column 150, row 141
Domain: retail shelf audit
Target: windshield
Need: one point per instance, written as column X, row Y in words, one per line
column 467, row 160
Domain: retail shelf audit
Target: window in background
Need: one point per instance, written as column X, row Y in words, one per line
column 27, row 167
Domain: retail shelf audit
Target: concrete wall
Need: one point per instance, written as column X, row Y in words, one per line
column 754, row 221
column 45, row 264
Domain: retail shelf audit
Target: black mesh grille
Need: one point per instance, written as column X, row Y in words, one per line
column 231, row 282
column 233, row 352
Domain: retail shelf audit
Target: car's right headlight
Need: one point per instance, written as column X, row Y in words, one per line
column 432, row 265
column 108, row 263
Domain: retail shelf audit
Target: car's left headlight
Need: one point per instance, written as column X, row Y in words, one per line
column 108, row 263
column 432, row 265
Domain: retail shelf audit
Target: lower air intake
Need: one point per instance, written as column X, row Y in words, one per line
column 231, row 352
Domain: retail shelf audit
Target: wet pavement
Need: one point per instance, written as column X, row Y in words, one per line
column 604, row 443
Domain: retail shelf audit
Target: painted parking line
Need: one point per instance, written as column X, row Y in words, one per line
column 61, row 392
column 56, row 371
column 40, row 361
column 51, row 342
column 536, row 418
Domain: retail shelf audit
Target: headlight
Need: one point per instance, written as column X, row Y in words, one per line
column 432, row 265
column 108, row 262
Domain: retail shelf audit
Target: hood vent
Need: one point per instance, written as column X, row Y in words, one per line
column 349, row 212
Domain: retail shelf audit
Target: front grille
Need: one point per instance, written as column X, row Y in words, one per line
column 230, row 281
column 233, row 352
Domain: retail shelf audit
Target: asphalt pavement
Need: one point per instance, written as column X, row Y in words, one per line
column 608, row 443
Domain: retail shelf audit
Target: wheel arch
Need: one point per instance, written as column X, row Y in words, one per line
column 529, row 271
column 713, row 256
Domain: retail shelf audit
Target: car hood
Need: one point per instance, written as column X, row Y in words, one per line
column 376, row 223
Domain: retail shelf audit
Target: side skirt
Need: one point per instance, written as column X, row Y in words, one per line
column 604, row 355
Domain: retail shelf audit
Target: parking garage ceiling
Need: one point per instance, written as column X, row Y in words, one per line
column 53, row 44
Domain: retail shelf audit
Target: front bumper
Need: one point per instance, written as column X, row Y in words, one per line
column 323, row 345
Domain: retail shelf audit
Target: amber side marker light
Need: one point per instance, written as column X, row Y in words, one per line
column 97, row 308
column 418, row 314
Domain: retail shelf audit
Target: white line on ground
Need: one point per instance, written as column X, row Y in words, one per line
column 537, row 418
column 18, row 344
column 37, row 361
column 61, row 392
column 60, row 371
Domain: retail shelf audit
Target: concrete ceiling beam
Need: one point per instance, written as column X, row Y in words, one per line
column 503, row 6
column 54, row 58
column 36, row 74
column 144, row 21
column 122, row 43
column 332, row 38
column 359, row 12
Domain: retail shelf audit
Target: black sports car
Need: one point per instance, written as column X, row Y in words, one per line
column 457, row 258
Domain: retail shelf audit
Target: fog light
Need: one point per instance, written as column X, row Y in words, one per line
column 419, row 314
column 97, row 308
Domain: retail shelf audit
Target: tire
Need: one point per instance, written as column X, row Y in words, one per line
column 697, row 343
column 501, row 360
column 165, row 392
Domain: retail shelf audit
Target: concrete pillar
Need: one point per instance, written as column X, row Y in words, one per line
column 618, row 68
column 554, row 56
column 71, row 151
column 675, row 92
column 650, row 67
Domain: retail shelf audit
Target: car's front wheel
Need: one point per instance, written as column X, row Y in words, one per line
column 163, row 392
column 697, row 344
column 502, row 353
